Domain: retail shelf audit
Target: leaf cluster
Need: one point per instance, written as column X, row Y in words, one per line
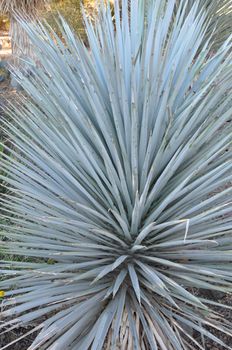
column 118, row 157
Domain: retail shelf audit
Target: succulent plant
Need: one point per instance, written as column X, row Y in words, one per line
column 118, row 191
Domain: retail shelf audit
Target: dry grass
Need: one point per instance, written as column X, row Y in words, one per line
column 28, row 6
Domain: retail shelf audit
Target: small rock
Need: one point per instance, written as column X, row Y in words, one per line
column 218, row 294
column 187, row 329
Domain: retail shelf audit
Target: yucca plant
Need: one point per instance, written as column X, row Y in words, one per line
column 118, row 189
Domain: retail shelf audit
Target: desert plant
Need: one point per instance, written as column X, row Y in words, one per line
column 118, row 157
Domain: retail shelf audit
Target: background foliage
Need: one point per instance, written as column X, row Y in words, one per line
column 4, row 23
column 70, row 10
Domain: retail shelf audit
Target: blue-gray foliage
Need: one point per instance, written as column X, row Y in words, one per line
column 119, row 154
